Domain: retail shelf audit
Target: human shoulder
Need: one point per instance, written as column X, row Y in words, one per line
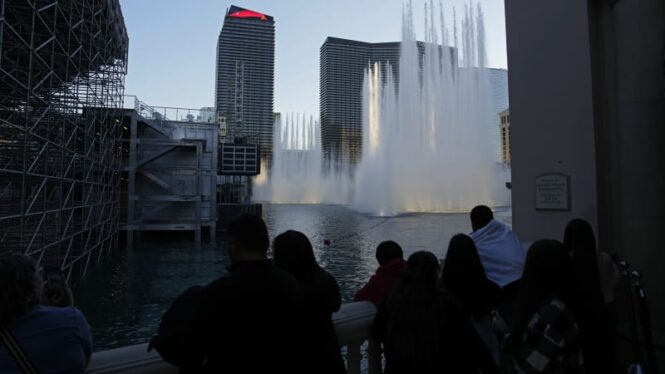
column 220, row 284
column 325, row 279
column 285, row 280
column 55, row 314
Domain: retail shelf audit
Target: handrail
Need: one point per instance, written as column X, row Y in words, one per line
column 204, row 115
column 352, row 323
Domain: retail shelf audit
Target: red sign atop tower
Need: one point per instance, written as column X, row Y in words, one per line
column 248, row 14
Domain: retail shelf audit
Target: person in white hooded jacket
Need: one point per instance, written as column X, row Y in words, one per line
column 501, row 254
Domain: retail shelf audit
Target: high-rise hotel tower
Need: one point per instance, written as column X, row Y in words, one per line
column 245, row 76
column 343, row 63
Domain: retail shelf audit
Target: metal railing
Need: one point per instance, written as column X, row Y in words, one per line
column 352, row 324
column 173, row 114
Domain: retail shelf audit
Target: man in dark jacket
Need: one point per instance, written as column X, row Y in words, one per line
column 391, row 265
column 250, row 320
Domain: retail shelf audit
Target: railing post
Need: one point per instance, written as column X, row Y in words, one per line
column 353, row 357
column 373, row 357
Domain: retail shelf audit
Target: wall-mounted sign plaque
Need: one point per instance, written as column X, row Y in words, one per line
column 552, row 191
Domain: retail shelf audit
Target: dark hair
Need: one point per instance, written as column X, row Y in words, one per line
column 416, row 298
column 20, row 286
column 464, row 276
column 481, row 215
column 387, row 251
column 250, row 231
column 56, row 291
column 579, row 236
column 548, row 273
column 292, row 251
column 579, row 239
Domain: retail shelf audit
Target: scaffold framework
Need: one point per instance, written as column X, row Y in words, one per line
column 62, row 69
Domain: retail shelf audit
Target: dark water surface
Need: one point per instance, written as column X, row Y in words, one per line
column 125, row 297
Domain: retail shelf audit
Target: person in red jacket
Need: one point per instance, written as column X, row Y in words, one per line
column 391, row 265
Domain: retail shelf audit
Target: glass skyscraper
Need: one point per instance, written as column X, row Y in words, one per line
column 245, row 74
column 343, row 63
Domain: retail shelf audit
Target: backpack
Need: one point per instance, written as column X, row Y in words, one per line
column 170, row 340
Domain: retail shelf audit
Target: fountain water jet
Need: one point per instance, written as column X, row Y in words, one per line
column 299, row 174
column 430, row 141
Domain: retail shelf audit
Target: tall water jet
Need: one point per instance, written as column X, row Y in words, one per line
column 430, row 141
column 299, row 174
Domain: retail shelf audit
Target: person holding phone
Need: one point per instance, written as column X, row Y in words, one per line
column 38, row 338
column 56, row 289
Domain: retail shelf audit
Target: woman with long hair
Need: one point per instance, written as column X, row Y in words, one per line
column 464, row 277
column 293, row 252
column 597, row 336
column 423, row 330
column 34, row 337
column 546, row 336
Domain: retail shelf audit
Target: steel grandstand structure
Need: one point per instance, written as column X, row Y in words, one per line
column 62, row 69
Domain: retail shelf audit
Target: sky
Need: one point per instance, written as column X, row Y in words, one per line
column 172, row 43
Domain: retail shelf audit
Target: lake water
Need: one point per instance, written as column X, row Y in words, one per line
column 125, row 297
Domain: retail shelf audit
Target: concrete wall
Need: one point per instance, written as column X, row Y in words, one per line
column 551, row 111
column 587, row 95
column 628, row 50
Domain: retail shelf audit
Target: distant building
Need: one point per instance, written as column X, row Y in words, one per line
column 277, row 118
column 221, row 122
column 498, row 80
column 504, row 129
column 342, row 68
column 207, row 115
column 245, row 72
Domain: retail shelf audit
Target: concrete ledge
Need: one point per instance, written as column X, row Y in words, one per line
column 130, row 359
column 352, row 323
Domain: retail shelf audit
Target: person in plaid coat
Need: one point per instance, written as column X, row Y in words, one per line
column 546, row 337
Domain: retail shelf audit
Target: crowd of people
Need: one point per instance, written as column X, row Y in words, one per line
column 491, row 306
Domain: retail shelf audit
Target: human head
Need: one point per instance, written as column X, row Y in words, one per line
column 548, row 273
column 481, row 215
column 579, row 236
column 20, row 286
column 548, row 268
column 462, row 269
column 248, row 238
column 388, row 251
column 579, row 240
column 56, row 291
column 416, row 298
column 292, row 251
column 422, row 267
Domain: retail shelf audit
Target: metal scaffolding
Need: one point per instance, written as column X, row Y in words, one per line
column 62, row 69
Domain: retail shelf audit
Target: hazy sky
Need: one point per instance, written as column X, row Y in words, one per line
column 172, row 43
